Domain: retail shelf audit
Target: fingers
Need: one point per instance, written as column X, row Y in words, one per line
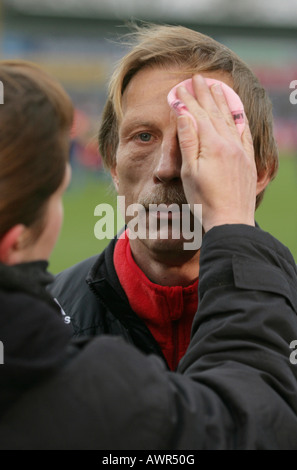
column 221, row 102
column 209, row 108
column 188, row 141
column 206, row 99
column 247, row 140
column 215, row 123
column 199, row 114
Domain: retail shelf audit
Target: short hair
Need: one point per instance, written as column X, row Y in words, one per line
column 35, row 121
column 161, row 46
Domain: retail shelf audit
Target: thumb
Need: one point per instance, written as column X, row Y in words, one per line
column 188, row 140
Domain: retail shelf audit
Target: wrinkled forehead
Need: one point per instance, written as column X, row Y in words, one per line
column 147, row 91
column 149, row 88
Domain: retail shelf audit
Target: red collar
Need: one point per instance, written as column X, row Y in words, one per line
column 167, row 311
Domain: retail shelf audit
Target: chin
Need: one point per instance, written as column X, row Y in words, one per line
column 165, row 246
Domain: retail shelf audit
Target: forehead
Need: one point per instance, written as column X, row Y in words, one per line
column 147, row 91
column 150, row 85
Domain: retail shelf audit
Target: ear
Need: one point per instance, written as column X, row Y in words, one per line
column 10, row 245
column 114, row 176
column 263, row 180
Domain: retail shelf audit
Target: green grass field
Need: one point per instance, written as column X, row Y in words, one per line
column 276, row 215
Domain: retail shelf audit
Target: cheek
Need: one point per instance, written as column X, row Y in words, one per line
column 134, row 168
column 59, row 218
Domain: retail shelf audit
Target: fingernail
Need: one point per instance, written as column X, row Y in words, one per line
column 178, row 106
column 182, row 122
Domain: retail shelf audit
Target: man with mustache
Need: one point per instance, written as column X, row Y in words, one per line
column 146, row 290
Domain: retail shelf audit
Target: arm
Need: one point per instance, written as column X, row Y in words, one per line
column 247, row 291
column 241, row 336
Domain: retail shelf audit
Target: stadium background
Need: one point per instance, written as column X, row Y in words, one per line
column 78, row 43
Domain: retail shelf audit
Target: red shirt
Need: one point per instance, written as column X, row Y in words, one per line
column 167, row 311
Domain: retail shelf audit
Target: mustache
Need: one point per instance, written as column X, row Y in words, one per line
column 164, row 195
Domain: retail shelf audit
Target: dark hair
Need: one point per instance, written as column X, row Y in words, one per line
column 35, row 121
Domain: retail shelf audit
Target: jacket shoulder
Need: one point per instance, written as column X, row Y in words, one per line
column 72, row 292
column 75, row 291
column 23, row 309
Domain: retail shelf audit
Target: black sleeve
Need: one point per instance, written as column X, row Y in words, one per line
column 239, row 356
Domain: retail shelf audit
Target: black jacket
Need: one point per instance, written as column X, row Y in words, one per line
column 235, row 389
column 90, row 294
column 34, row 337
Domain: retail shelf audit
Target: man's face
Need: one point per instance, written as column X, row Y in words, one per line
column 148, row 159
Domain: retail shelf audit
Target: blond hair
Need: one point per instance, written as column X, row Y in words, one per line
column 163, row 46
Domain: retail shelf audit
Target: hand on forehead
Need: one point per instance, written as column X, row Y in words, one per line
column 233, row 101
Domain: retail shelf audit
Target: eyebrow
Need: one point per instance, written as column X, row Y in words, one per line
column 132, row 124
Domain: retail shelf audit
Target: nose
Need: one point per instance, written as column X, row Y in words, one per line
column 169, row 164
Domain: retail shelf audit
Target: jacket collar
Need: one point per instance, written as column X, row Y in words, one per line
column 104, row 269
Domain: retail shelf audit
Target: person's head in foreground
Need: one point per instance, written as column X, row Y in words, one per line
column 35, row 123
column 138, row 134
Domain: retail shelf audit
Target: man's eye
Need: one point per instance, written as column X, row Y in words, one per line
column 145, row 137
